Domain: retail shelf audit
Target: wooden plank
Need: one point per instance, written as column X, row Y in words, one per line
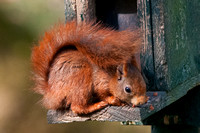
column 159, row 43
column 147, row 56
column 112, row 113
column 185, row 111
column 183, row 101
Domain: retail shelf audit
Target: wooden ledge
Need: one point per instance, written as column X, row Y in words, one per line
column 113, row 113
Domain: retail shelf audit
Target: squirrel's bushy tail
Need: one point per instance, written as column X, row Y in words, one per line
column 103, row 46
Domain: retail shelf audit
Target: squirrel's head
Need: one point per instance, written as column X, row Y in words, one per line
column 131, row 86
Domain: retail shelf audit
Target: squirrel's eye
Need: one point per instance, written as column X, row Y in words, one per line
column 128, row 90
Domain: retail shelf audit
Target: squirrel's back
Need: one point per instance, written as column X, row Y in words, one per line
column 102, row 46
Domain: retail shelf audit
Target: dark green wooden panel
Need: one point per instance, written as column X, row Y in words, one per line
column 193, row 34
column 147, row 57
column 159, row 44
column 182, row 32
column 176, row 41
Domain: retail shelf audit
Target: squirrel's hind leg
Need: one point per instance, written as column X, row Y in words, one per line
column 86, row 109
column 81, row 109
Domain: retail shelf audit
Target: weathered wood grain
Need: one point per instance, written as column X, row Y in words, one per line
column 112, row 113
column 182, row 27
column 184, row 111
column 159, row 45
column 81, row 10
column 147, row 55
column 85, row 10
column 70, row 10
column 176, row 41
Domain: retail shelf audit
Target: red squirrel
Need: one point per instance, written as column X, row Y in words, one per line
column 87, row 67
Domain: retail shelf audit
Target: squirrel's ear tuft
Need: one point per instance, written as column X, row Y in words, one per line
column 125, row 69
column 122, row 71
column 119, row 72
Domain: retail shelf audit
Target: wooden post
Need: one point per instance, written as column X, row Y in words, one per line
column 70, row 10
column 147, row 55
column 81, row 10
column 85, row 10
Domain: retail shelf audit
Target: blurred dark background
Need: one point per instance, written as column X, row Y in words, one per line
column 22, row 22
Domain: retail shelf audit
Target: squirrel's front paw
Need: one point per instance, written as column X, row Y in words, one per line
column 114, row 101
column 102, row 104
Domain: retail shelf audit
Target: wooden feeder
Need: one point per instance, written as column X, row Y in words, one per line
column 170, row 60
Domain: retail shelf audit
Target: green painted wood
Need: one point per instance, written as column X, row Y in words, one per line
column 184, row 111
column 182, row 39
column 176, row 41
column 159, row 44
column 147, row 56
column 177, row 51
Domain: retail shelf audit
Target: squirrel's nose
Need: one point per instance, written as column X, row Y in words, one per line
column 139, row 100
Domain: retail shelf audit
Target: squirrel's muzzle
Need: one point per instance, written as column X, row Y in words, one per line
column 139, row 100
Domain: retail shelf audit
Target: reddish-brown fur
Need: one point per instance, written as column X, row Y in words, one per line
column 87, row 67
